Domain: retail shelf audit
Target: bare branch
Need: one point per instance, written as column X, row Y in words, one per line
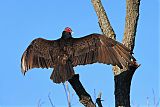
column 84, row 97
column 103, row 20
column 50, row 100
column 157, row 104
column 40, row 103
column 132, row 15
column 67, row 93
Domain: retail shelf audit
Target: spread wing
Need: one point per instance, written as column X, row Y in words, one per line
column 98, row 48
column 40, row 53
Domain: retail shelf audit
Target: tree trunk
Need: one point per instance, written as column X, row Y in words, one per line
column 122, row 87
column 122, row 78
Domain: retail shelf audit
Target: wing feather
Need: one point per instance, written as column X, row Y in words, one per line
column 98, row 48
column 40, row 53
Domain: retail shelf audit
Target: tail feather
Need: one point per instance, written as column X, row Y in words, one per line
column 62, row 73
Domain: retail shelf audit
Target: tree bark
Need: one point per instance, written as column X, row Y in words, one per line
column 84, row 97
column 122, row 77
column 122, row 87
column 104, row 23
column 132, row 15
column 123, row 80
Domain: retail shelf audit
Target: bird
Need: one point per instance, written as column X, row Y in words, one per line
column 67, row 52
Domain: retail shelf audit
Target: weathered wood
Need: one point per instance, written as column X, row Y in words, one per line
column 122, row 87
column 122, row 77
column 84, row 97
column 103, row 20
column 132, row 15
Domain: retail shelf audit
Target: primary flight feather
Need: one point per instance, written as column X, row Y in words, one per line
column 67, row 52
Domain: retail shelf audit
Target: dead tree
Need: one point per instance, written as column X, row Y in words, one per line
column 122, row 78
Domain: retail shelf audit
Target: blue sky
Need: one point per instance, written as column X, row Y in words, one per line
column 21, row 21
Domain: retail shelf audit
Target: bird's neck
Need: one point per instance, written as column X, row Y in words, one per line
column 66, row 35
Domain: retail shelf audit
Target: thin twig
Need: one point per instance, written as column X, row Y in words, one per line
column 147, row 101
column 95, row 96
column 50, row 100
column 158, row 103
column 68, row 92
column 67, row 95
column 40, row 103
column 154, row 97
column 71, row 98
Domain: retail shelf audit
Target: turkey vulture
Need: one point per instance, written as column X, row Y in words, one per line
column 67, row 52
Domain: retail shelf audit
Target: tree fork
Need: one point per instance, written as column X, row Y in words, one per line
column 122, row 77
